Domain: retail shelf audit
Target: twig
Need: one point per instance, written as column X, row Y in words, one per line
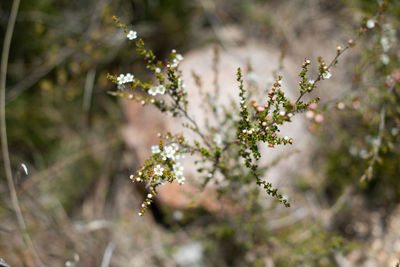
column 107, row 254
column 333, row 62
column 4, row 141
column 87, row 95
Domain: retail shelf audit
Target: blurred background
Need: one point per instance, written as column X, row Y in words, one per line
column 78, row 145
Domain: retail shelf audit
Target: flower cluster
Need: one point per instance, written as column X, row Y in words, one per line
column 154, row 90
column 125, row 78
column 162, row 167
column 176, row 60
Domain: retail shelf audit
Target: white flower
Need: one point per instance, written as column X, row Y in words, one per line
column 169, row 152
column 121, row 79
column 132, row 35
column 129, row 78
column 385, row 59
column 155, row 149
column 326, row 75
column 175, row 146
column 121, row 87
column 158, row 170
column 180, row 178
column 385, row 43
column 341, row 105
column 311, row 82
column 174, row 63
column 161, row 89
column 157, row 70
column 363, row 154
column 178, row 169
column 218, row 139
column 179, row 57
column 309, row 114
column 153, row 90
column 286, row 138
column 370, row 23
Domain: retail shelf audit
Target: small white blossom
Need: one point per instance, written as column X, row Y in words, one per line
column 178, row 169
column 180, row 179
column 385, row 43
column 341, row 105
column 353, row 151
column 121, row 79
column 175, row 146
column 179, row 156
column 158, row 170
column 157, row 70
column 149, row 195
column 129, row 78
column 327, row 75
column 153, row 90
column 311, row 82
column 370, row 23
column 174, row 63
column 218, row 139
column 309, row 114
column 179, row 57
column 155, row 149
column 131, row 35
column 161, row 89
column 385, row 59
column 363, row 154
column 169, row 152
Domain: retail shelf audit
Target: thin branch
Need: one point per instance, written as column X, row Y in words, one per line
column 332, row 63
column 107, row 254
column 88, row 90
column 4, row 141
